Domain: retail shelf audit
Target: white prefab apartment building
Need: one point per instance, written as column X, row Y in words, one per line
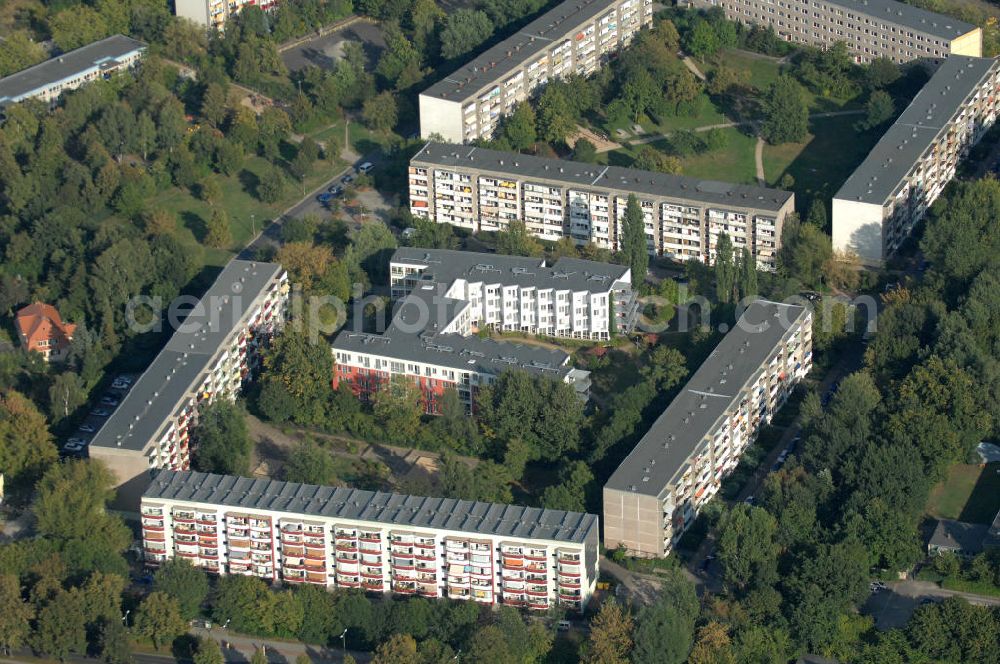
column 483, row 190
column 572, row 298
column 656, row 492
column 877, row 207
column 870, row 28
column 574, row 37
column 47, row 80
column 377, row 542
column 212, row 354
column 430, row 343
column 215, row 13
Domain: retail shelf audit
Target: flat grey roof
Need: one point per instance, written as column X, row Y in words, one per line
column 446, row 265
column 498, row 61
column 880, row 175
column 411, row 338
column 162, row 387
column 593, row 176
column 908, row 16
column 709, row 393
column 386, row 508
column 67, row 65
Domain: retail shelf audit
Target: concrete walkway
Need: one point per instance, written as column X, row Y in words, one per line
column 652, row 138
column 241, row 648
column 692, row 67
column 758, row 158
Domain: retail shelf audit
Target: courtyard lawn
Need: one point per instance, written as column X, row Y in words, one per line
column 734, row 163
column 763, row 70
column 821, row 163
column 969, row 493
column 239, row 202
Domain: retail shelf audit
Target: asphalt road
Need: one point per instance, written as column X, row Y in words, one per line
column 271, row 235
column 892, row 607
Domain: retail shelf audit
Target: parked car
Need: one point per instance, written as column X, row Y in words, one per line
column 70, row 446
column 128, row 380
column 76, row 441
column 87, row 428
column 564, row 625
column 749, row 500
column 347, row 179
column 100, row 412
column 109, row 400
column 120, row 385
column 366, row 168
column 335, row 190
column 324, row 198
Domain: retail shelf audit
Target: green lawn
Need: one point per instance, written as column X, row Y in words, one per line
column 735, row 163
column 763, row 71
column 969, row 493
column 239, row 201
column 821, row 163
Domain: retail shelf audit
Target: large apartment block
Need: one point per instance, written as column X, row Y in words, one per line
column 483, row 190
column 430, row 343
column 574, row 37
column 656, row 492
column 377, row 542
column 212, row 354
column 870, row 28
column 572, row 298
column 215, row 13
column 47, row 80
column 883, row 199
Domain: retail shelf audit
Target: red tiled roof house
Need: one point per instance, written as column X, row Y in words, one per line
column 42, row 329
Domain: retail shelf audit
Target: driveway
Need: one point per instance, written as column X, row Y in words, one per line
column 893, row 607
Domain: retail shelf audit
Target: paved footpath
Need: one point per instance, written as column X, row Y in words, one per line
column 242, row 648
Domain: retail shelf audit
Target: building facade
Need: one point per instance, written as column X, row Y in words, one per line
column 215, row 13
column 572, row 298
column 47, row 80
column 869, row 28
column 41, row 330
column 877, row 207
column 483, row 190
column 430, row 343
column 657, row 491
column 378, row 542
column 575, row 37
column 212, row 354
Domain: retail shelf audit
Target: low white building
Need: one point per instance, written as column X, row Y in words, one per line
column 377, row 542
column 572, row 298
column 47, row 80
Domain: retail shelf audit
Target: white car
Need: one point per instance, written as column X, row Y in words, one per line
column 366, row 168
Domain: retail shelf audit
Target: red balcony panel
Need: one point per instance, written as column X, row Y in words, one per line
column 349, row 584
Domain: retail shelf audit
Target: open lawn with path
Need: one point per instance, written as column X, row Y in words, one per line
column 969, row 493
column 239, row 201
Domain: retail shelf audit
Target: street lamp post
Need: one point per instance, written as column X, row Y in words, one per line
column 343, row 641
column 125, row 617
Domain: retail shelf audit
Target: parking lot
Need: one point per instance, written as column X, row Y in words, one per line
column 326, row 50
column 76, row 445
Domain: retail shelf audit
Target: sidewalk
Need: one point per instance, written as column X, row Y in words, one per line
column 243, row 647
